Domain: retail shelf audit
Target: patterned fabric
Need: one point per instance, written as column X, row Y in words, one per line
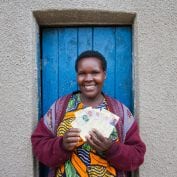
column 85, row 161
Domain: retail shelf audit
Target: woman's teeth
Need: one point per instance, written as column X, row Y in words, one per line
column 89, row 86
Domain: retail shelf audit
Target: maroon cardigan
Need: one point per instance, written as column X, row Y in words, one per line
column 127, row 155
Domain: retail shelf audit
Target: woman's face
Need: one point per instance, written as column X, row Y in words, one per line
column 90, row 77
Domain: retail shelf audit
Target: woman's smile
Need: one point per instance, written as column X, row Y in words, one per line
column 90, row 87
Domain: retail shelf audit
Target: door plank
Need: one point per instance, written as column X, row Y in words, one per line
column 104, row 41
column 67, row 55
column 49, row 67
column 123, row 82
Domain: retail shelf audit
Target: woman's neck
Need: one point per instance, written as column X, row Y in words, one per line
column 93, row 102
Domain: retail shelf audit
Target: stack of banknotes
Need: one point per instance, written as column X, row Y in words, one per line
column 100, row 119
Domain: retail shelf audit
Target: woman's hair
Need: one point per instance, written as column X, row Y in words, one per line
column 91, row 53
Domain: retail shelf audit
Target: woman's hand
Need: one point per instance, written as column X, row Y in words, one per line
column 98, row 141
column 71, row 138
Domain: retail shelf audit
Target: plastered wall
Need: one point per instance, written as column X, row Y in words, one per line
column 155, row 74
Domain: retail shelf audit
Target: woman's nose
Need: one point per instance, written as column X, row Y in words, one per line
column 88, row 77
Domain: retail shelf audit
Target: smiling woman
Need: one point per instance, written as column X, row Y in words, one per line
column 58, row 145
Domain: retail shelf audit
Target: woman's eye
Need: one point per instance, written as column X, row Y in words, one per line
column 80, row 74
column 95, row 72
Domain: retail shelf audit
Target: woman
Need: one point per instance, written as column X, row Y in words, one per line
column 59, row 146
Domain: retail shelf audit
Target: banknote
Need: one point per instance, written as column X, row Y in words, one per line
column 89, row 118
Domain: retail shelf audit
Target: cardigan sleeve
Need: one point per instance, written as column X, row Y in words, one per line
column 47, row 147
column 127, row 156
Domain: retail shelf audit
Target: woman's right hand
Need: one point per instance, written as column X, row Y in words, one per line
column 71, row 138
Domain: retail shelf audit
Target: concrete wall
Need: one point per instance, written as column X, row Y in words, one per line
column 155, row 71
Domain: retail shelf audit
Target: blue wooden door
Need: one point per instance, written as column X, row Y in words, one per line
column 60, row 47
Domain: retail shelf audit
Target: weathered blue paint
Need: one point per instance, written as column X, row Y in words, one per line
column 84, row 39
column 50, row 73
column 67, row 50
column 123, row 69
column 104, row 41
column 60, row 47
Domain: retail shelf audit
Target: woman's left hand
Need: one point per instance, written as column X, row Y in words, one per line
column 97, row 141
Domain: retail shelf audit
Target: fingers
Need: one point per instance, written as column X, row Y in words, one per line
column 74, row 130
column 71, row 133
column 95, row 139
column 92, row 143
column 98, row 141
column 71, row 138
column 98, row 135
